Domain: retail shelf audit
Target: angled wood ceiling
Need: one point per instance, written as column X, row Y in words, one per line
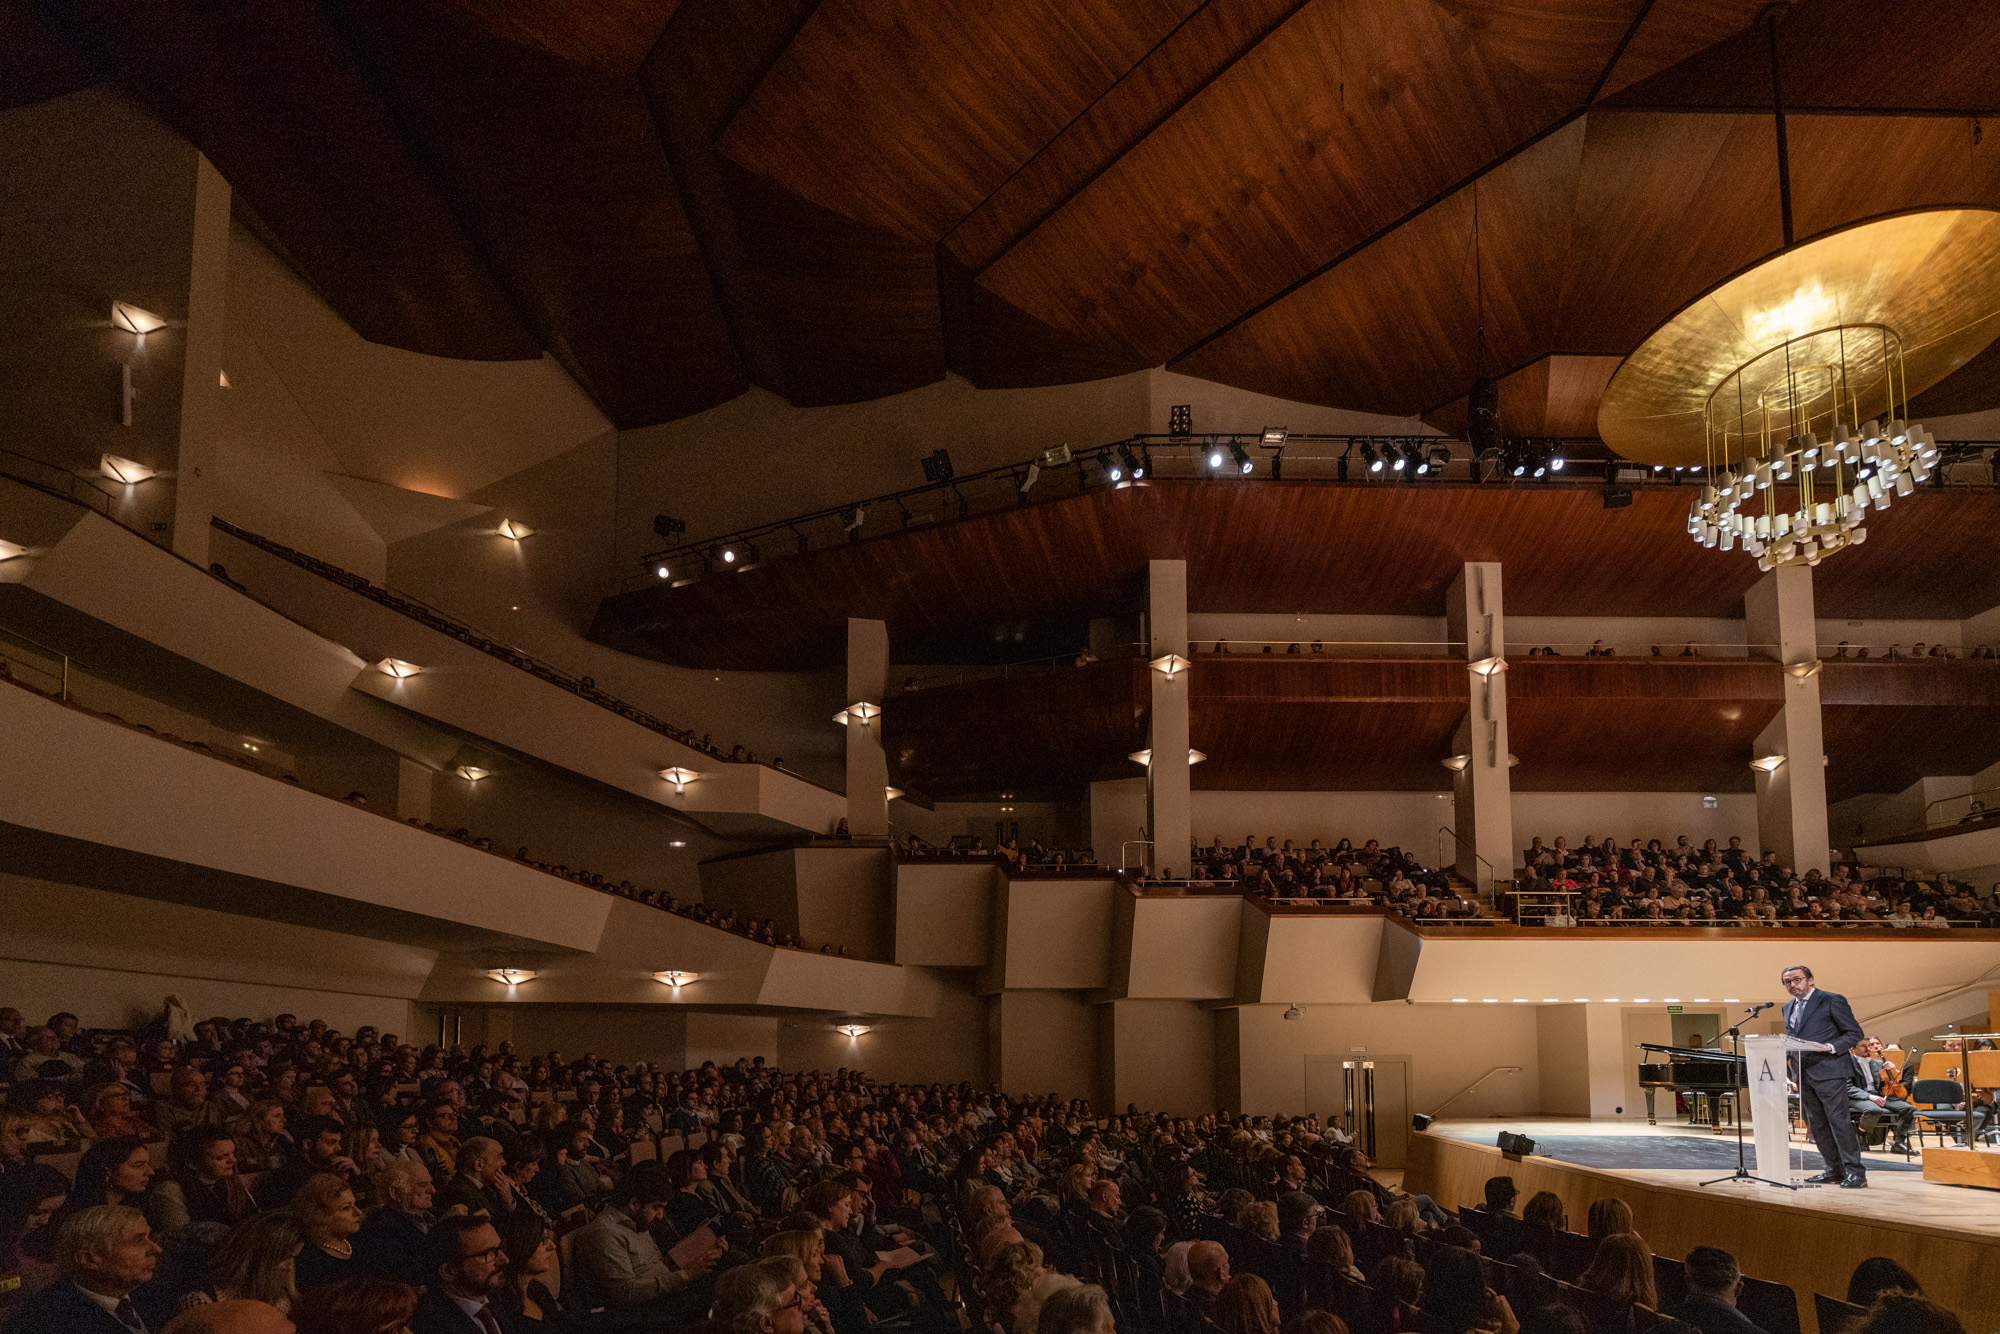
column 841, row 199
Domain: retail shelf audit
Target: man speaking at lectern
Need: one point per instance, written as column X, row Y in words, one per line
column 1823, row 1076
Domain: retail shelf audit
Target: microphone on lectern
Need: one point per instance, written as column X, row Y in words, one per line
column 1761, row 1006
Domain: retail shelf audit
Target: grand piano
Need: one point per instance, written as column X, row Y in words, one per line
column 1708, row 1074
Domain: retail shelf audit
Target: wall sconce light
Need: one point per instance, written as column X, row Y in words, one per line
column 1801, row 671
column 9, row 550
column 852, row 1030
column 1171, row 665
column 892, row 792
column 1294, row 1012
column 132, row 319
column 515, row 529
column 674, row 977
column 679, row 777
column 513, row 977
column 1145, row 757
column 397, row 668
column 124, row 470
column 864, row 713
column 472, row 773
column 1487, row 667
column 1766, row 763
column 1512, row 759
column 1455, row 763
column 677, row 843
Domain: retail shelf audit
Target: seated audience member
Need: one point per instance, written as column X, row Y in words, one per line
column 481, row 1186
column 760, row 1298
column 103, row 1254
column 255, row 1261
column 322, row 1149
column 391, row 1240
column 31, row 1202
column 262, row 1142
column 1083, row 1309
column 107, row 1109
column 467, row 1267
column 531, row 1262
column 112, row 1171
column 45, row 1058
column 1245, row 1306
column 619, row 1265
column 1900, row 1313
column 329, row 1218
column 1714, row 1282
column 1608, row 1217
column 1456, row 1296
column 1620, row 1278
column 1208, row 1275
column 200, row 1185
column 187, row 1103
column 1877, row 1275
column 358, row 1306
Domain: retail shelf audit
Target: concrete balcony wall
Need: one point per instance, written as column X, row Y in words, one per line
column 826, row 895
column 944, row 914
column 113, row 958
column 1052, row 935
column 1967, row 856
column 1176, row 948
column 1308, row 960
column 79, row 792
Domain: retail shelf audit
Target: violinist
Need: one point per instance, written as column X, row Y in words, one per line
column 1877, row 1087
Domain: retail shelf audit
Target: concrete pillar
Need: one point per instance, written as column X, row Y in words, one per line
column 1791, row 798
column 1484, row 815
column 413, row 790
column 867, row 763
column 201, row 372
column 1169, row 801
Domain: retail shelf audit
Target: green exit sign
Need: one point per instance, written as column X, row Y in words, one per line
column 1673, row 1009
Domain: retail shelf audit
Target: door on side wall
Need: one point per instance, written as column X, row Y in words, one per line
column 1370, row 1095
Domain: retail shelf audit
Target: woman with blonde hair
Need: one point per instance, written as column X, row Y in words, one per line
column 1403, row 1217
column 1260, row 1220
column 1082, row 1308
column 1358, row 1208
column 1245, row 1306
column 255, row 1262
column 329, row 1218
column 1028, row 1306
column 808, row 1248
column 1608, row 1217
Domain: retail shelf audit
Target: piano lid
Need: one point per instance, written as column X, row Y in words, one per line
column 1692, row 1053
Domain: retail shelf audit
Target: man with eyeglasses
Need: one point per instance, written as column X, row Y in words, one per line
column 465, row 1257
column 760, row 1298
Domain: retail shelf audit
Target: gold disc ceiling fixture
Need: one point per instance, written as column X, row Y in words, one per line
column 1789, row 384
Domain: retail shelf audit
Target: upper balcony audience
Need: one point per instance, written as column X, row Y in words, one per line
column 390, row 1188
column 1647, row 882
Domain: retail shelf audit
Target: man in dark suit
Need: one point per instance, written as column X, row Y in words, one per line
column 467, row 1265
column 104, row 1253
column 1823, row 1077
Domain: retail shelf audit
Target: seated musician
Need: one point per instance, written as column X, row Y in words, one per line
column 1982, row 1099
column 1875, row 1090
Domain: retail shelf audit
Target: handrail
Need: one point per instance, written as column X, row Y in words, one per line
column 57, row 654
column 1963, row 796
column 60, row 482
column 1496, row 1070
column 1447, row 829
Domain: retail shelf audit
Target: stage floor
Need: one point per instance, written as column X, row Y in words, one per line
column 1894, row 1189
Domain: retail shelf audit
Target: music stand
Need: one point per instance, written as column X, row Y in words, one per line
column 1743, row 1172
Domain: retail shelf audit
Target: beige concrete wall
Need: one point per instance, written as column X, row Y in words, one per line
column 99, row 207
column 1320, row 960
column 724, row 1038
column 1182, row 948
column 947, row 1046
column 1446, row 1051
column 1057, row 934
column 1562, row 1051
column 80, row 777
column 112, row 958
column 944, row 914
column 1046, row 1042
column 1161, row 1055
column 847, row 897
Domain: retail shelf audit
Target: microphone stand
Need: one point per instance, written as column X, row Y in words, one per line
column 1743, row 1172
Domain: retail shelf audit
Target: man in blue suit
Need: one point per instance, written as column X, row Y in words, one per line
column 1823, row 1076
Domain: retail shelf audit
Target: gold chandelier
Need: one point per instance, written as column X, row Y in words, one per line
column 1792, row 497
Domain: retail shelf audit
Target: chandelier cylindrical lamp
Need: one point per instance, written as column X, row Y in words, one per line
column 1802, row 440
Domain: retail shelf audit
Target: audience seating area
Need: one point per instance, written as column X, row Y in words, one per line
column 1651, row 884
column 673, row 1198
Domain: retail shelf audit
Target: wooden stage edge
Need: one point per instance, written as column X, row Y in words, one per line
column 1963, row 1167
column 1780, row 1236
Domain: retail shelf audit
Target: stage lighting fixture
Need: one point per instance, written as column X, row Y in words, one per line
column 668, row 527
column 1540, row 466
column 1556, row 461
column 1519, row 1145
column 1517, row 464
column 1033, row 475
column 861, row 512
column 1241, row 457
column 1278, row 466
column 1215, row 456
column 1369, row 456
column 661, row 572
column 729, row 555
column 937, row 468
column 1422, row 458
column 1274, row 436
column 1134, row 467
column 1421, row 1121
column 1397, row 459
column 1114, row 470
column 1145, row 461
column 1180, row 421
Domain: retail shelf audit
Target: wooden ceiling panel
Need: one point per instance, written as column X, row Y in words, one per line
column 562, row 173
column 1213, row 37
column 1886, row 748
column 1673, row 30
column 905, row 114
column 1933, row 550
column 1061, row 729
column 1342, row 120
column 608, row 36
column 1667, row 207
column 1394, row 328
column 1563, row 45
column 1973, row 387
column 1331, row 746
column 276, row 99
column 1849, row 168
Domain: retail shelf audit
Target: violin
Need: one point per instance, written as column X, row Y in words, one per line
column 1892, row 1086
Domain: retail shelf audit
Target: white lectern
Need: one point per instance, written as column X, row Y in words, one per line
column 1765, row 1076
